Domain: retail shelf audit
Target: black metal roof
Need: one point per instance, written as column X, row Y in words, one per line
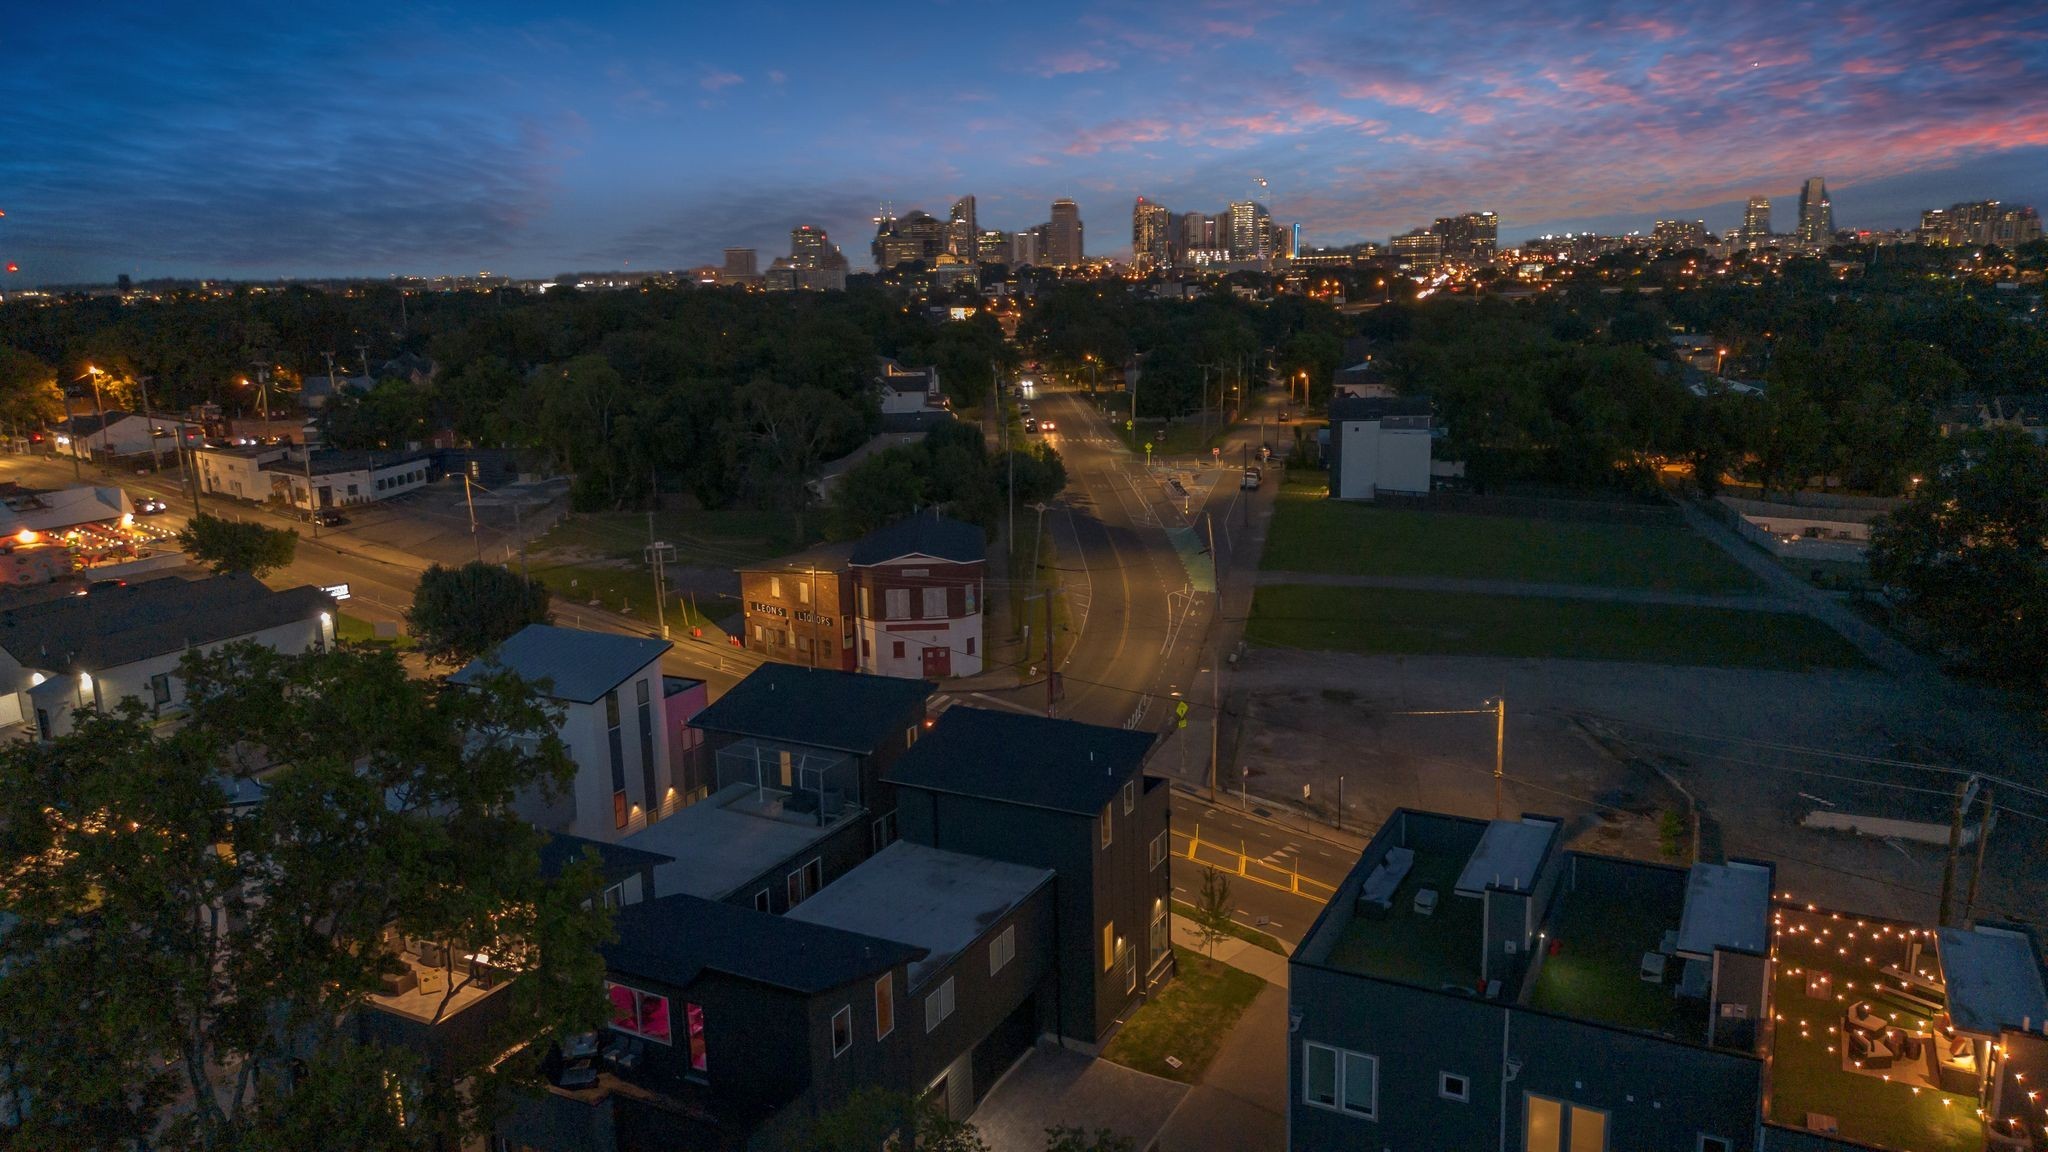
column 1377, row 407
column 1063, row 765
column 817, row 707
column 678, row 938
column 614, row 861
column 119, row 626
column 925, row 534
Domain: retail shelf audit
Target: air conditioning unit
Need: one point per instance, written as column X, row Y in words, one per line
column 1510, row 947
column 1735, row 1011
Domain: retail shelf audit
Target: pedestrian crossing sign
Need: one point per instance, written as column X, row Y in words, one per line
column 1180, row 714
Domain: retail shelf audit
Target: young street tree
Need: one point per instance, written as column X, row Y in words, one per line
column 238, row 546
column 1212, row 910
column 185, row 967
column 458, row 614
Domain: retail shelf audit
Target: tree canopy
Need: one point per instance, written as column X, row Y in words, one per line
column 458, row 614
column 238, row 545
column 185, row 967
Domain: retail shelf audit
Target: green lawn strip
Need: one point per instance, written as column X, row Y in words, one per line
column 719, row 538
column 1188, row 912
column 617, row 589
column 1315, row 535
column 356, row 630
column 1186, row 1020
column 1400, row 622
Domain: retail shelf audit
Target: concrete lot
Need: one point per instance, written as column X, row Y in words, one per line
column 1609, row 746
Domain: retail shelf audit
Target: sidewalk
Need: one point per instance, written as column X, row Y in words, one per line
column 1239, row 954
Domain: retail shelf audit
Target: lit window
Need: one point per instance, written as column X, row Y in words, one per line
column 885, row 1006
column 842, row 1030
column 1108, row 816
column 1130, row 796
column 1109, row 945
column 639, row 1013
column 1158, row 851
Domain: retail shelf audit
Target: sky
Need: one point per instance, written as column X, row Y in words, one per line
column 306, row 139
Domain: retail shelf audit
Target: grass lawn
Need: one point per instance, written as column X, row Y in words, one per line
column 1597, row 971
column 1310, row 534
column 619, row 589
column 355, row 630
column 1398, row 622
column 719, row 538
column 1187, row 1020
column 1188, row 912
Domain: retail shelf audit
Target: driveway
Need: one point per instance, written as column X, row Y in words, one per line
column 1057, row 1087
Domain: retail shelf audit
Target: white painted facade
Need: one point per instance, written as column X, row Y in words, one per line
column 1375, row 458
column 592, row 808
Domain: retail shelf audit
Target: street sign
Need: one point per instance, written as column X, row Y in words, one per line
column 338, row 591
column 1216, row 453
column 1180, row 714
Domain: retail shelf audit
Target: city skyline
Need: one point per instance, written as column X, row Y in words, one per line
column 369, row 142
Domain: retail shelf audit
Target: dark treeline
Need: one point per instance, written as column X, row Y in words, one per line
column 729, row 396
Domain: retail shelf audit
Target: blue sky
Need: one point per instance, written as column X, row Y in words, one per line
column 259, row 140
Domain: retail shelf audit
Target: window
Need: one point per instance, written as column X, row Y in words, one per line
column 639, row 1013
column 938, row 1005
column 1109, row 945
column 970, row 645
column 1452, row 1086
column 1715, row 1143
column 882, row 833
column 650, row 788
column 885, row 1006
column 934, row 604
column 761, row 901
column 1128, row 957
column 617, row 748
column 693, row 1017
column 760, row 634
column 910, row 736
column 805, row 882
column 1108, row 819
column 1002, row 950
column 1130, row 796
column 775, row 587
column 1158, row 851
column 842, row 1030
column 968, row 598
column 615, row 897
column 867, row 608
column 898, row 651
column 1342, row 1081
column 1555, row 1126
column 803, row 593
column 1160, row 939
column 160, row 689
column 896, row 603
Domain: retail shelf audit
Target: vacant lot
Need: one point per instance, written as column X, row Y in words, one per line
column 1311, row 534
column 1409, row 623
column 710, row 539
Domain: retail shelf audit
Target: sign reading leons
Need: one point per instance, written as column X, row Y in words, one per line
column 338, row 591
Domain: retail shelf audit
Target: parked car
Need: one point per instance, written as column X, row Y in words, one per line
column 326, row 518
column 1286, row 416
column 98, row 586
column 1252, row 476
column 150, row 506
column 1030, row 425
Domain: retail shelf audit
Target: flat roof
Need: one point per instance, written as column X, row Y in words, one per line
column 939, row 901
column 818, row 707
column 677, row 938
column 578, row 666
column 725, row 840
column 1994, row 979
column 1508, row 855
column 1726, row 906
column 1062, row 765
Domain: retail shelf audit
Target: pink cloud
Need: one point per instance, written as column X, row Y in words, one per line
column 717, row 79
column 1072, row 63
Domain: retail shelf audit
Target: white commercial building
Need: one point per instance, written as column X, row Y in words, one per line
column 1379, row 444
column 337, row 478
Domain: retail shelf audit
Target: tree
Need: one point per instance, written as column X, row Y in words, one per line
column 458, row 614
column 185, row 972
column 874, row 1117
column 1212, row 910
column 1964, row 555
column 238, row 545
column 1063, row 1139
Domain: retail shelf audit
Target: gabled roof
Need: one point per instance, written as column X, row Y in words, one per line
column 581, row 666
column 678, row 938
column 123, row 625
column 1035, row 761
column 817, row 707
column 614, row 861
column 924, row 534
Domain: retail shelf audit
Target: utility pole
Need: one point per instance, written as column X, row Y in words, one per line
column 156, row 454
column 469, row 498
column 312, row 509
column 1500, row 743
column 1955, row 838
column 1977, row 869
column 106, row 434
column 71, row 427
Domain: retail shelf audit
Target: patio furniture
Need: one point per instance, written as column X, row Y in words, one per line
column 1864, row 1019
column 1425, row 902
column 1652, row 969
column 1869, row 1051
column 1376, row 895
column 433, row 981
column 393, row 983
column 580, row 1046
column 578, row 1075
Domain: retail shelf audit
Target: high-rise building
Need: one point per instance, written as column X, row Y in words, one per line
column 1151, row 236
column 995, row 247
column 1064, row 246
column 814, row 264
column 917, row 236
column 1420, row 250
column 1470, row 238
column 808, row 246
column 1197, row 232
column 1027, row 246
column 963, row 235
column 1679, row 234
column 740, row 264
column 1980, row 222
column 1756, row 221
column 1250, row 231
column 1816, row 214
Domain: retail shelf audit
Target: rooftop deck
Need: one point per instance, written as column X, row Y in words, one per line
column 732, row 836
column 1596, row 973
column 1827, row 964
column 1439, row 950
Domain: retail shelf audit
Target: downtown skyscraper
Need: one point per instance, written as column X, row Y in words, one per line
column 1756, row 221
column 1816, row 214
column 1152, row 240
column 1064, row 246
